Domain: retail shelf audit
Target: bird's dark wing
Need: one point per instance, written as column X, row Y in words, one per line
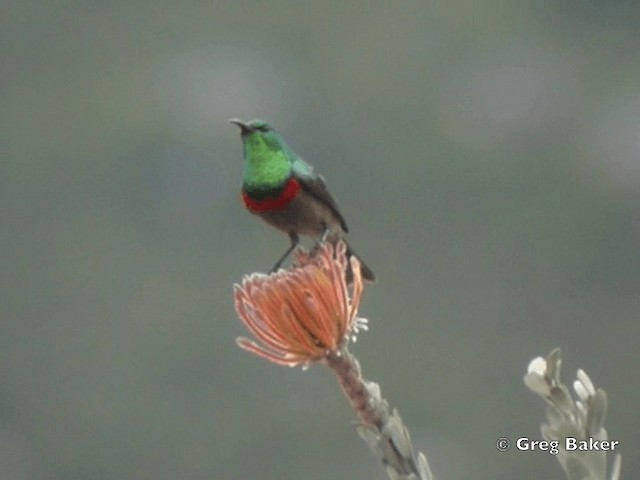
column 314, row 185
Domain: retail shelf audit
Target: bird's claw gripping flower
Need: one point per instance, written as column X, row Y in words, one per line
column 300, row 315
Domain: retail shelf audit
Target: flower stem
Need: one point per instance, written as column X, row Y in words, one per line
column 381, row 428
column 347, row 369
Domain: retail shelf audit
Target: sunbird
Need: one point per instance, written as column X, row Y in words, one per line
column 283, row 190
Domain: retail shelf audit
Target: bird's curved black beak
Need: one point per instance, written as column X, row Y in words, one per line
column 244, row 128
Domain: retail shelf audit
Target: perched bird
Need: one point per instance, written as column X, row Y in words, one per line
column 283, row 190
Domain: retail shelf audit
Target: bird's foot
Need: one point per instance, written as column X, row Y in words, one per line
column 276, row 267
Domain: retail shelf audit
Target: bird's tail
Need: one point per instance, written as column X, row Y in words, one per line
column 365, row 271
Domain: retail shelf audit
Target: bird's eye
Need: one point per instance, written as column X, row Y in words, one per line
column 263, row 128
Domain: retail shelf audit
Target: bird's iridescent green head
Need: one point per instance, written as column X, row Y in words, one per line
column 267, row 158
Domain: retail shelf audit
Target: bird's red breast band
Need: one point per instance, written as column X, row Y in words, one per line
column 276, row 203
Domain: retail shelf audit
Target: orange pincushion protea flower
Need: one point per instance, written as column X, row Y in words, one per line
column 301, row 315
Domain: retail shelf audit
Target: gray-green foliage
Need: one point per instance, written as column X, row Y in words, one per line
column 581, row 418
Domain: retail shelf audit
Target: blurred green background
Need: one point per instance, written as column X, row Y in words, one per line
column 486, row 157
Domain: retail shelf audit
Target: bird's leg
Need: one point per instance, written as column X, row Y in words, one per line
column 295, row 239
